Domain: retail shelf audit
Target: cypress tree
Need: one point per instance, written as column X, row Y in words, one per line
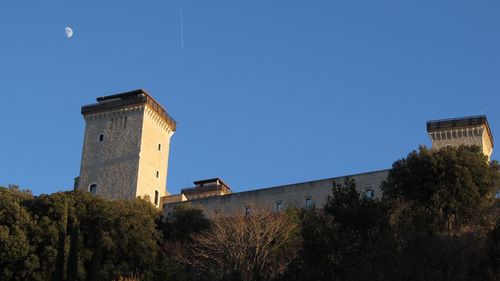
column 72, row 269
column 97, row 255
column 58, row 274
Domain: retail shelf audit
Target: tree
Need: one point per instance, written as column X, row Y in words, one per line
column 182, row 223
column 442, row 207
column 72, row 267
column 442, row 190
column 59, row 272
column 18, row 261
column 350, row 239
column 493, row 246
column 256, row 247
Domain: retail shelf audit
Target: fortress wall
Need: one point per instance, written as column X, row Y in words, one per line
column 112, row 163
column 287, row 195
column 155, row 144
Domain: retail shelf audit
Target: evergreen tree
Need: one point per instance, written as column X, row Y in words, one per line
column 59, row 272
column 72, row 267
column 442, row 191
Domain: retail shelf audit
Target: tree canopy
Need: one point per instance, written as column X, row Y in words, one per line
column 446, row 189
column 438, row 220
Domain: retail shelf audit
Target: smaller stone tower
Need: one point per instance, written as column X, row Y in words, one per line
column 472, row 130
column 126, row 147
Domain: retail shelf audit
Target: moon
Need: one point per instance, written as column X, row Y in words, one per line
column 68, row 31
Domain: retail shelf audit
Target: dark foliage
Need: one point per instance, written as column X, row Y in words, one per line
column 349, row 240
column 182, row 222
column 437, row 221
column 442, row 209
column 75, row 236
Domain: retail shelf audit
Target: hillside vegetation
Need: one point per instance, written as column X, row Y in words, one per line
column 438, row 220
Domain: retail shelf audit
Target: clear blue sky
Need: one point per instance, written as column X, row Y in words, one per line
column 264, row 92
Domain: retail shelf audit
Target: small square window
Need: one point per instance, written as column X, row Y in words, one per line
column 101, row 137
column 369, row 193
column 309, row 203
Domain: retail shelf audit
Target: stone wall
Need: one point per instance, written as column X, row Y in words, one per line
column 112, row 163
column 155, row 146
column 133, row 151
column 286, row 195
column 470, row 135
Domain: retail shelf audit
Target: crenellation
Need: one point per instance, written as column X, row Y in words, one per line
column 472, row 130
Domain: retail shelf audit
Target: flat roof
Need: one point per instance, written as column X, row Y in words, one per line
column 467, row 121
column 135, row 97
column 200, row 182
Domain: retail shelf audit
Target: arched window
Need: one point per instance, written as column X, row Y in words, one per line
column 159, row 147
column 279, row 206
column 157, row 173
column 93, row 188
column 101, row 137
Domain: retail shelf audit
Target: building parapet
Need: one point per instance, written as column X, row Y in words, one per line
column 454, row 123
column 126, row 99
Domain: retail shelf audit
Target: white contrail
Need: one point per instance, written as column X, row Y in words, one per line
column 182, row 27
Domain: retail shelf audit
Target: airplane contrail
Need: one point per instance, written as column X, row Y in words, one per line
column 182, row 26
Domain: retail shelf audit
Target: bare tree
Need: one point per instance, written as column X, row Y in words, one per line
column 255, row 247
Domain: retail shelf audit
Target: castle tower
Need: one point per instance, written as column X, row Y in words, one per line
column 126, row 146
column 473, row 130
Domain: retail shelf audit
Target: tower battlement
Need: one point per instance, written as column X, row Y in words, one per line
column 471, row 130
column 128, row 99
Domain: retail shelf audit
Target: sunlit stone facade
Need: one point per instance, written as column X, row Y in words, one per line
column 127, row 142
column 126, row 147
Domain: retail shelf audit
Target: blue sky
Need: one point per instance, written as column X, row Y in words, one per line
column 264, row 92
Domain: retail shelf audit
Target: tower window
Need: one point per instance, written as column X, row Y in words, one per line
column 369, row 193
column 247, row 211
column 309, row 203
column 279, row 206
column 93, row 188
column 157, row 173
column 157, row 197
column 159, row 147
column 101, row 137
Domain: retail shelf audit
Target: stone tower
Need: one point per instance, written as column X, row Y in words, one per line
column 126, row 147
column 473, row 130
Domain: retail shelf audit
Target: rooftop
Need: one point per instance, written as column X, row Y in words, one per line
column 207, row 185
column 467, row 121
column 212, row 180
column 135, row 97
